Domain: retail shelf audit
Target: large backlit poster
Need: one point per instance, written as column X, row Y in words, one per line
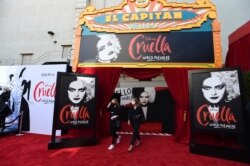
column 155, row 101
column 216, row 100
column 75, row 101
column 33, row 93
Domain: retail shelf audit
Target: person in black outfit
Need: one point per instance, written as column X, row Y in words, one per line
column 135, row 117
column 114, row 108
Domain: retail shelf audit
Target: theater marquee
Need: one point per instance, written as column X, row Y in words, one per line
column 150, row 34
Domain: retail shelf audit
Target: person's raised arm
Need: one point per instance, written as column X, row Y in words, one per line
column 109, row 104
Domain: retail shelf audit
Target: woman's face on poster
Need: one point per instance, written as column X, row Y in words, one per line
column 213, row 89
column 144, row 98
column 76, row 91
column 106, row 50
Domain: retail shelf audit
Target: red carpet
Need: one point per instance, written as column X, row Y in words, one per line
column 152, row 127
column 31, row 150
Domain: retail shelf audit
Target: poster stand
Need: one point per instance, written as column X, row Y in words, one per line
column 74, row 109
column 72, row 142
column 224, row 152
column 57, row 143
column 18, row 130
column 212, row 132
column 20, row 124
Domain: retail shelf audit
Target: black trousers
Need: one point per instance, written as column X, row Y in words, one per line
column 135, row 135
column 113, row 130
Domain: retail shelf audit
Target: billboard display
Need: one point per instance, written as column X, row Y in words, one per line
column 32, row 92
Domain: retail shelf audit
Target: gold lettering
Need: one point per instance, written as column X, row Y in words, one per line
column 134, row 17
column 151, row 16
column 108, row 18
column 144, row 16
column 158, row 15
column 167, row 15
column 177, row 15
column 115, row 19
column 125, row 17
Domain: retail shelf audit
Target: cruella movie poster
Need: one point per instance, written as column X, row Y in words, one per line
column 75, row 101
column 216, row 101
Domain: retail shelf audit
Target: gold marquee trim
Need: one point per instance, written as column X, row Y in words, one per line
column 149, row 65
column 217, row 44
column 91, row 11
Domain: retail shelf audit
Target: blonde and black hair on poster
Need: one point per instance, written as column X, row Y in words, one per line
column 216, row 100
column 75, row 101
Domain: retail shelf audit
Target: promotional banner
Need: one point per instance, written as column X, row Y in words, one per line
column 178, row 47
column 216, row 100
column 75, row 101
column 32, row 92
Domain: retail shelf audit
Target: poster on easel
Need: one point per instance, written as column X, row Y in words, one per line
column 216, row 101
column 218, row 117
column 75, row 101
column 74, row 107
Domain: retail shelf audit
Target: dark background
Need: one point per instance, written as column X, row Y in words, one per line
column 185, row 47
column 197, row 99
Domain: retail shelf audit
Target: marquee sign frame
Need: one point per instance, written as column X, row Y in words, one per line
column 144, row 17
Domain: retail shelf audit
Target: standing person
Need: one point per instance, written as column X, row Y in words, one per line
column 114, row 108
column 135, row 117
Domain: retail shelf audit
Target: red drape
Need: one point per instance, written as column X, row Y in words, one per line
column 177, row 81
column 142, row 74
column 107, row 79
column 238, row 54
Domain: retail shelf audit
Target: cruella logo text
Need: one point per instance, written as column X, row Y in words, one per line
column 142, row 45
